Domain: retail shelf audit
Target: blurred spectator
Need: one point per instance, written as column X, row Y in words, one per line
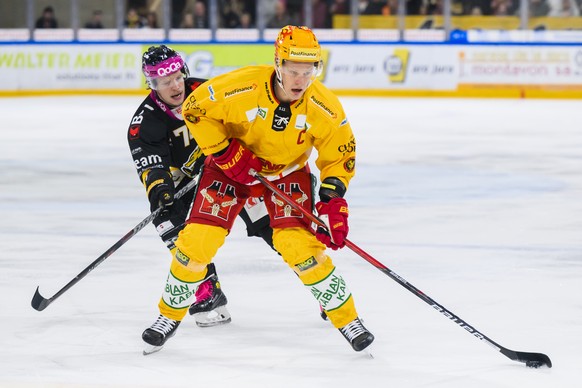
column 152, row 20
column 476, row 7
column 295, row 8
column 47, row 19
column 187, row 20
column 569, row 8
column 476, row 11
column 413, row 7
column 432, row 7
column 371, row 7
column 96, row 20
column 250, row 7
column 563, row 8
column 281, row 18
column 500, row 8
column 503, row 7
column 231, row 14
column 457, row 8
column 246, row 20
column 133, row 20
column 178, row 13
column 390, row 8
column 363, row 6
column 339, row 7
column 321, row 16
column 200, row 15
column 538, row 8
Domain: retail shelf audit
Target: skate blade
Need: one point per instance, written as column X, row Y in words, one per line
column 218, row 316
column 213, row 323
column 367, row 352
column 150, row 349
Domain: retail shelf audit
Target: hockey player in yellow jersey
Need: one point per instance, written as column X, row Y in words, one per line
column 268, row 120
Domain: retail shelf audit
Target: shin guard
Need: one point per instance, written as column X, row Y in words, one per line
column 335, row 298
column 317, row 273
column 179, row 291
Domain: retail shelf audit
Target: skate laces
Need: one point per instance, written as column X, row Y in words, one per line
column 163, row 325
column 353, row 329
column 204, row 291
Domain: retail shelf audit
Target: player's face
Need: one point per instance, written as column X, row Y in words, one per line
column 296, row 77
column 171, row 88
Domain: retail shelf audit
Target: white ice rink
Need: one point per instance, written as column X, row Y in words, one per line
column 478, row 203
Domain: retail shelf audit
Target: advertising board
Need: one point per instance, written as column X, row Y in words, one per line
column 358, row 69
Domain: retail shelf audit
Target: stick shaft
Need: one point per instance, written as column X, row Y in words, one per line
column 539, row 358
column 40, row 303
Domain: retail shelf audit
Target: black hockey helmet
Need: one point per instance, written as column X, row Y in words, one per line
column 160, row 61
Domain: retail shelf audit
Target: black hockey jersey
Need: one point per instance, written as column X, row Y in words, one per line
column 159, row 138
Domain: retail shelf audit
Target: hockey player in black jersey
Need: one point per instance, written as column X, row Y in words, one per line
column 166, row 158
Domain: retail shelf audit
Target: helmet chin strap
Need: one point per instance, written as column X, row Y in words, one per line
column 280, row 80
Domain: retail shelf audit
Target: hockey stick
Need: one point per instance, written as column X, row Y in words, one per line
column 532, row 360
column 39, row 302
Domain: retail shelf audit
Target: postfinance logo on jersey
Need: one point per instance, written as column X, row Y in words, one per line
column 320, row 104
column 237, row 91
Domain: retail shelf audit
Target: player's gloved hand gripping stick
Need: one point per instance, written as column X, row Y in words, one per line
column 236, row 162
column 335, row 216
column 533, row 360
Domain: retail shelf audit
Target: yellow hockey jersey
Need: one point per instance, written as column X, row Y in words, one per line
column 242, row 105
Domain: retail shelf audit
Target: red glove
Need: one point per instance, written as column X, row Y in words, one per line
column 335, row 215
column 237, row 162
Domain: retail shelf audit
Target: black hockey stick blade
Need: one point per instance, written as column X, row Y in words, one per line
column 531, row 360
column 39, row 302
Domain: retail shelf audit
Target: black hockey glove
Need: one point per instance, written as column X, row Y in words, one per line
column 160, row 189
column 170, row 222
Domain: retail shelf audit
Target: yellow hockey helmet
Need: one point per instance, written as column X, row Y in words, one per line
column 298, row 44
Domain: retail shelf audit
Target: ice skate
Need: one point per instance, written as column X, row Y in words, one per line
column 357, row 335
column 210, row 306
column 158, row 333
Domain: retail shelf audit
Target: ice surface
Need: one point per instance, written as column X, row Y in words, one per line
column 476, row 202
